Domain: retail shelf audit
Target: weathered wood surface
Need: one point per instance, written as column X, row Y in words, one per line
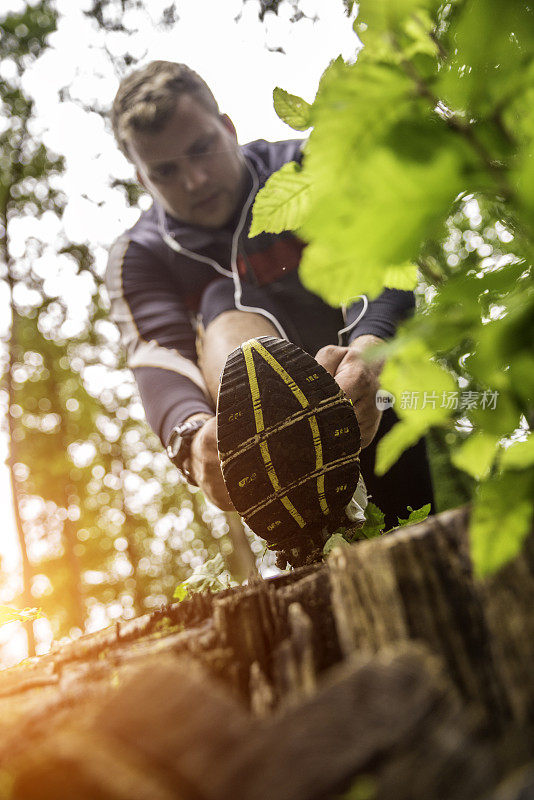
column 508, row 600
column 391, row 666
column 418, row 585
column 170, row 732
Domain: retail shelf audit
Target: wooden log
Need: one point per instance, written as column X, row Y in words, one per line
column 313, row 593
column 295, row 674
column 244, row 624
column 302, row 645
column 180, row 722
column 150, row 733
column 417, row 584
column 390, row 719
column 170, row 730
column 508, row 598
column 262, row 696
column 255, row 624
column 76, row 764
column 519, row 785
column 134, row 713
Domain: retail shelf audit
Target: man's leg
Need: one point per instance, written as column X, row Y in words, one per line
column 289, row 444
column 294, row 480
column 220, row 338
column 223, row 330
column 223, row 335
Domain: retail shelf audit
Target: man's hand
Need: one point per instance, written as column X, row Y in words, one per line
column 205, row 466
column 358, row 379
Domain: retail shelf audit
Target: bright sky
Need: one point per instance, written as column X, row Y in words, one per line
column 224, row 41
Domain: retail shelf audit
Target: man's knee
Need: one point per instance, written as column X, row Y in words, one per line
column 217, row 299
column 223, row 328
column 219, row 316
column 237, row 327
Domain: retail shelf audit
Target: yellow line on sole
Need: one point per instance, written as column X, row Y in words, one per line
column 278, row 368
column 254, row 388
column 318, row 462
column 260, row 426
column 304, row 402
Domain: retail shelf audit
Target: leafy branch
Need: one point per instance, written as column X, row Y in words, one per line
column 392, row 174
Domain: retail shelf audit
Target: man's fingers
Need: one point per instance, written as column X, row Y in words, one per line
column 206, row 467
column 215, row 485
column 368, row 417
column 330, row 357
column 359, row 381
column 356, row 383
column 219, row 497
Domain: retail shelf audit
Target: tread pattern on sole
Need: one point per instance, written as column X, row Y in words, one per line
column 288, row 441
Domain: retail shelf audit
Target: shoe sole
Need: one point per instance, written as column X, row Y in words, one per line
column 288, row 442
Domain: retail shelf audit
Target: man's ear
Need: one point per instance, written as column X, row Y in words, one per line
column 229, row 125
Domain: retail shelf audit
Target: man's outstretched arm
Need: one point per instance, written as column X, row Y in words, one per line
column 158, row 338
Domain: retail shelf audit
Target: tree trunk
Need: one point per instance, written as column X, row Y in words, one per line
column 69, row 533
column 419, row 586
column 132, row 554
column 15, row 172
column 389, row 672
column 27, row 572
column 128, row 530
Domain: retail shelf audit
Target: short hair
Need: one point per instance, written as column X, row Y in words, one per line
column 146, row 99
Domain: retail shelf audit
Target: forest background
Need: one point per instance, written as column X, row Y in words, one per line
column 102, row 527
column 105, row 529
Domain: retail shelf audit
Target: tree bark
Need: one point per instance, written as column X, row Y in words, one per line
column 251, row 694
column 27, row 572
column 5, row 256
column 418, row 585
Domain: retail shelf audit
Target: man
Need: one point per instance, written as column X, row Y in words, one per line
column 187, row 285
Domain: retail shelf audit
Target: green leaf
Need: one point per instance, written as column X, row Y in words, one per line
column 419, row 385
column 8, row 614
column 502, row 518
column 417, row 515
column 519, row 455
column 520, row 119
column 390, row 195
column 477, row 454
column 180, row 593
column 522, row 375
column 404, row 276
column 283, row 202
column 374, row 522
column 387, row 15
column 210, row 576
column 292, row 110
column 364, row 787
column 491, row 48
column 336, row 540
column 503, row 356
column 394, row 443
column 419, row 28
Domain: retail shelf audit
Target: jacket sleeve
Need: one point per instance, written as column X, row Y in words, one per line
column 383, row 314
column 157, row 335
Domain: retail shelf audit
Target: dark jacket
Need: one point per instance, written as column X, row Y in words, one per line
column 158, row 272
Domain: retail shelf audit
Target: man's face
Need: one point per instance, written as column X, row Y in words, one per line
column 193, row 167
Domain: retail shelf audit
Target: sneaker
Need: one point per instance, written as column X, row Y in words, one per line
column 289, row 446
